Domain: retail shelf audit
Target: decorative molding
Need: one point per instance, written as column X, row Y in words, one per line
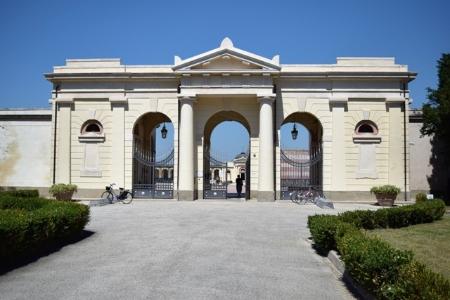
column 187, row 99
column 266, row 98
column 366, row 114
column 64, row 100
column 118, row 100
column 90, row 98
column 366, row 139
column 379, row 99
column 227, row 50
column 338, row 99
column 394, row 100
column 91, row 138
column 366, row 174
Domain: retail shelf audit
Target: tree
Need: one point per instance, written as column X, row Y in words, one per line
column 436, row 123
column 436, row 112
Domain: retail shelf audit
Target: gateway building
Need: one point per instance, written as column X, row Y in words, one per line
column 105, row 117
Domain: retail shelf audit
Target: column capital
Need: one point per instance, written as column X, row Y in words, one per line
column 187, row 99
column 269, row 98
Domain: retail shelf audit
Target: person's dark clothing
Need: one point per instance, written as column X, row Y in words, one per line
column 239, row 186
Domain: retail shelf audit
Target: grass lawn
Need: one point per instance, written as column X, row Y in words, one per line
column 429, row 242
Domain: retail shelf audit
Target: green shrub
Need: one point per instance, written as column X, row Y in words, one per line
column 29, row 204
column 370, row 261
column 421, row 197
column 323, row 229
column 27, row 225
column 20, row 193
column 420, row 283
column 385, row 189
column 396, row 217
column 384, row 271
column 63, row 191
column 359, row 218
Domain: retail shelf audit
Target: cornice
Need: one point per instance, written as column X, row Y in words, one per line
column 347, row 75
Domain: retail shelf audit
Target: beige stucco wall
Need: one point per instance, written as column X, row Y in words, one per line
column 420, row 154
column 25, row 150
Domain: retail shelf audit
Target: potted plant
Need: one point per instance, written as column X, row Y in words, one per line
column 385, row 194
column 63, row 191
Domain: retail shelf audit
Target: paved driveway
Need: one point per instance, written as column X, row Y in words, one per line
column 184, row 250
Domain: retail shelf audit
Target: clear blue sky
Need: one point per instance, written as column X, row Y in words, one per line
column 36, row 35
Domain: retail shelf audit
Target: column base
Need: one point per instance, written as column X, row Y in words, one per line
column 185, row 195
column 266, row 196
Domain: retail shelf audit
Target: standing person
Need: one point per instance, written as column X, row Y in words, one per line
column 239, row 186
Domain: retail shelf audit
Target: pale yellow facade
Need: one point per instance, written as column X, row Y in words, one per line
column 228, row 83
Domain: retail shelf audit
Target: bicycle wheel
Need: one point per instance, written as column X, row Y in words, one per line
column 128, row 198
column 304, row 197
column 107, row 196
column 294, row 197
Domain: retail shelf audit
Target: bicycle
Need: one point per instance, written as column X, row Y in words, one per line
column 304, row 196
column 124, row 196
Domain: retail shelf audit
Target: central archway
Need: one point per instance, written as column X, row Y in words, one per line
column 221, row 172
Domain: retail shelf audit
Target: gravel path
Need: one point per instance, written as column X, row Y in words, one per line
column 185, row 250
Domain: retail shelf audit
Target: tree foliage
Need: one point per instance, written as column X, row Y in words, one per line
column 436, row 111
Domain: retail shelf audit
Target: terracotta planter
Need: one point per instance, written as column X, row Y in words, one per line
column 65, row 196
column 385, row 199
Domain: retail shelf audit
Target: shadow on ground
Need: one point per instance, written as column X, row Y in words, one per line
column 7, row 266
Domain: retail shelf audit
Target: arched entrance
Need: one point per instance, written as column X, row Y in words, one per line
column 219, row 168
column 153, row 156
column 300, row 154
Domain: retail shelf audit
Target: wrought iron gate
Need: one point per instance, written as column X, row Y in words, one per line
column 152, row 178
column 215, row 186
column 300, row 169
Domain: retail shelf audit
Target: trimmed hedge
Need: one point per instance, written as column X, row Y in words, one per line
column 30, row 224
column 372, row 262
column 323, row 229
column 396, row 217
column 20, row 193
column 384, row 271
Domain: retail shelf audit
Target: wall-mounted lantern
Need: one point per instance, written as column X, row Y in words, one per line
column 294, row 132
column 164, row 131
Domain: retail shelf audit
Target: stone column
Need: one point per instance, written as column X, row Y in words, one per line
column 186, row 150
column 266, row 150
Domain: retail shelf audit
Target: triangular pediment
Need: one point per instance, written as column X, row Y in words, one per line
column 226, row 58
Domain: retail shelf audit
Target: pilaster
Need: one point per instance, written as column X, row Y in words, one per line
column 63, row 162
column 338, row 145
column 118, row 141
